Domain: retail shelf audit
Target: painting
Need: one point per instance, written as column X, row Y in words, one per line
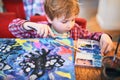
column 36, row 59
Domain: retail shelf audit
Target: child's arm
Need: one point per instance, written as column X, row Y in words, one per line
column 106, row 43
column 41, row 29
column 15, row 27
column 104, row 39
column 24, row 29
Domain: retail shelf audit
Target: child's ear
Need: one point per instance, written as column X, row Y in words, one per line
column 49, row 20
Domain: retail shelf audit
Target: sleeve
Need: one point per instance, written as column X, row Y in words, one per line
column 79, row 32
column 91, row 35
column 16, row 28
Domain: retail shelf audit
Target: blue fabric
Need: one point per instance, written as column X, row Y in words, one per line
column 33, row 7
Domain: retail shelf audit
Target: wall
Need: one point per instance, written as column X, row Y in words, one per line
column 108, row 15
column 88, row 8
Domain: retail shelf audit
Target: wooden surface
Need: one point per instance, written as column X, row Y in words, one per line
column 87, row 73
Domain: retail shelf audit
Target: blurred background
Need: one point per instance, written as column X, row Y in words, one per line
column 101, row 15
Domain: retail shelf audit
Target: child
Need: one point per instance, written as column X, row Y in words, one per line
column 61, row 16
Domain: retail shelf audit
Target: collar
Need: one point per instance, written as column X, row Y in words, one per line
column 63, row 35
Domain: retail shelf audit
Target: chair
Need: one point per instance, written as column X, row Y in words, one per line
column 79, row 21
column 15, row 6
column 13, row 9
column 5, row 19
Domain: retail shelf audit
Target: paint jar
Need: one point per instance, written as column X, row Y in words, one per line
column 111, row 69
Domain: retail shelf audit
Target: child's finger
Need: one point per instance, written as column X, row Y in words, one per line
column 45, row 32
column 38, row 31
column 109, row 48
column 50, row 32
column 101, row 44
column 103, row 48
column 42, row 32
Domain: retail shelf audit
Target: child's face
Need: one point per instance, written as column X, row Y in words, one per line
column 62, row 25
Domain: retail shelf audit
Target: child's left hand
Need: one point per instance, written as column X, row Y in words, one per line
column 106, row 44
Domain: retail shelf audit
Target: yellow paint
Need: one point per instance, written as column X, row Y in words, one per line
column 66, row 41
column 20, row 41
column 63, row 74
column 70, row 58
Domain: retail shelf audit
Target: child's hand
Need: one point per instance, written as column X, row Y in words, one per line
column 106, row 44
column 42, row 29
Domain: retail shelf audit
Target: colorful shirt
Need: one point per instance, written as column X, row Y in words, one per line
column 17, row 29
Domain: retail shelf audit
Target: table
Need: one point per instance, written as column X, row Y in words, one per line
column 87, row 73
column 82, row 73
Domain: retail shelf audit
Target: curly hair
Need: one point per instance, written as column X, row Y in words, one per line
column 58, row 8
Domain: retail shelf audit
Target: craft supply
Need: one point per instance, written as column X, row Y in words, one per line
column 116, row 49
column 111, row 70
column 61, row 42
column 89, row 55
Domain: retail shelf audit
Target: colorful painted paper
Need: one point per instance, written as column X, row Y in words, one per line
column 36, row 59
column 89, row 55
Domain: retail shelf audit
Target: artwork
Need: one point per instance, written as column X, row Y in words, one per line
column 36, row 59
column 89, row 54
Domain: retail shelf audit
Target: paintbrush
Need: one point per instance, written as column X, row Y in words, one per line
column 61, row 42
column 116, row 49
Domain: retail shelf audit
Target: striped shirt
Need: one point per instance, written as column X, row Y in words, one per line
column 17, row 29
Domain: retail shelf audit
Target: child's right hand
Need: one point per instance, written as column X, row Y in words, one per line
column 42, row 29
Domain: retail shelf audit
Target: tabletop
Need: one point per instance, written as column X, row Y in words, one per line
column 87, row 73
column 82, row 73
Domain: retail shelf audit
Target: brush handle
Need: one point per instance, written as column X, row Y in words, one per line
column 68, row 45
column 117, row 45
column 116, row 49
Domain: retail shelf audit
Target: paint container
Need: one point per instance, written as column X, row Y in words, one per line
column 111, row 70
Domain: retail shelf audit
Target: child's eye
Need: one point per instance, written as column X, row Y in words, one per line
column 73, row 20
column 67, row 21
column 64, row 21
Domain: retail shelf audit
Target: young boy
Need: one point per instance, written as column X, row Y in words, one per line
column 61, row 16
